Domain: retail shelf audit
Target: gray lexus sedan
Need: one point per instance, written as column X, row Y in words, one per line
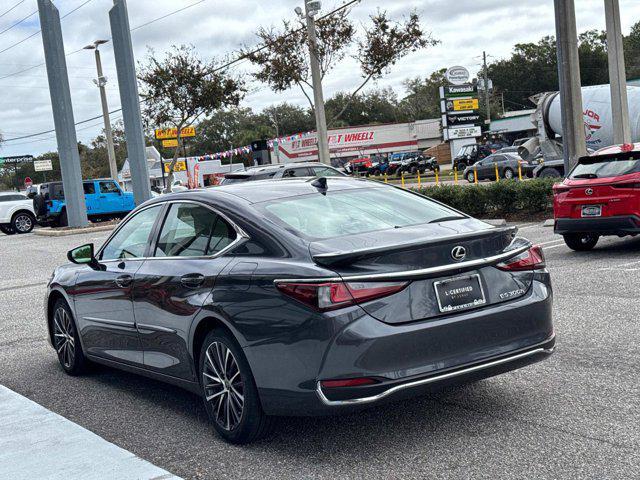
column 302, row 297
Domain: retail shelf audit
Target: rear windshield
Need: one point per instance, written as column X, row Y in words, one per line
column 351, row 212
column 603, row 168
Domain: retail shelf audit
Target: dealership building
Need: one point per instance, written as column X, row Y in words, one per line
column 353, row 142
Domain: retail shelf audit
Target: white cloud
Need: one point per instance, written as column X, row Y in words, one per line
column 219, row 27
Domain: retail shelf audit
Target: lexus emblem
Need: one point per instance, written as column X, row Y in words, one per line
column 458, row 253
column 589, row 191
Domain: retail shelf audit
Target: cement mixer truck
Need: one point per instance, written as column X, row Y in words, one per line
column 598, row 126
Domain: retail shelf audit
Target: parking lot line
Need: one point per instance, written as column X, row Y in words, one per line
column 37, row 443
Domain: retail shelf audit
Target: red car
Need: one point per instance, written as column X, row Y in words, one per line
column 601, row 196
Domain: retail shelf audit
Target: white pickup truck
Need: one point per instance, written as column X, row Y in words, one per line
column 16, row 213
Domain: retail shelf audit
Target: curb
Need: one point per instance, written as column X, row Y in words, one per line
column 50, row 232
column 548, row 223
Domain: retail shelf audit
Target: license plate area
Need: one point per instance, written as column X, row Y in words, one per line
column 459, row 293
column 591, row 211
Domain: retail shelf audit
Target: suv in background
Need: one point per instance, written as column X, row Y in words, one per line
column 16, row 213
column 277, row 172
column 469, row 155
column 104, row 199
column 599, row 197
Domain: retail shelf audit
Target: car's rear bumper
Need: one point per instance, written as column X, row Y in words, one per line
column 407, row 359
column 617, row 225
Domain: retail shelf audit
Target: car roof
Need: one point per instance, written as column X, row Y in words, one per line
column 266, row 190
column 272, row 168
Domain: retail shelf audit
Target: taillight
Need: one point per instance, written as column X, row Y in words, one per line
column 532, row 259
column 634, row 185
column 334, row 295
column 557, row 189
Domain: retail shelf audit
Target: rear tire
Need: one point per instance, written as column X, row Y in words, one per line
column 581, row 242
column 229, row 391
column 66, row 340
column 23, row 222
column 7, row 229
column 63, row 221
column 508, row 174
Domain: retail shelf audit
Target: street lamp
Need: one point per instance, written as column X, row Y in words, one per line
column 311, row 9
column 101, row 81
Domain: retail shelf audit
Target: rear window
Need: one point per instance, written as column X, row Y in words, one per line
column 355, row 211
column 594, row 167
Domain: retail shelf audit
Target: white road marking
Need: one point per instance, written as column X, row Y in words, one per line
column 524, row 227
column 555, row 246
column 621, row 266
column 37, row 443
column 550, row 242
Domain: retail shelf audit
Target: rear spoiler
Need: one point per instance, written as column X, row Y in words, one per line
column 341, row 257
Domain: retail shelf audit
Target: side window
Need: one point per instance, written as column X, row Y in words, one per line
column 109, row 187
column 325, row 172
column 132, row 239
column 89, row 188
column 192, row 230
column 296, row 172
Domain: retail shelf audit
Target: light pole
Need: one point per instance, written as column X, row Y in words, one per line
column 311, row 8
column 101, row 82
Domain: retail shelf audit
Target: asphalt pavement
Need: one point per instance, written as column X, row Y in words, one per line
column 576, row 415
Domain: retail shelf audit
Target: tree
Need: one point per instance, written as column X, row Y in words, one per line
column 372, row 107
column 283, row 61
column 422, row 98
column 181, row 89
column 632, row 52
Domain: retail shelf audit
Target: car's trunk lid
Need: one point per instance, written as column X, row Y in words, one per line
column 424, row 256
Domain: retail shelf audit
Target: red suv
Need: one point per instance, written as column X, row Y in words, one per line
column 601, row 196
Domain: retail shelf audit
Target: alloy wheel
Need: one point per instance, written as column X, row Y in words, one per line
column 23, row 223
column 223, row 385
column 64, row 340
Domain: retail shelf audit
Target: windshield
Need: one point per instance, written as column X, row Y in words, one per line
column 603, row 168
column 466, row 150
column 356, row 211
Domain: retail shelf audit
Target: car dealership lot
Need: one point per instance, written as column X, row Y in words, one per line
column 572, row 416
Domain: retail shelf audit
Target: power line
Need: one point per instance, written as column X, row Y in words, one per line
column 167, row 15
column 36, row 33
column 16, row 5
column 217, row 69
column 18, row 22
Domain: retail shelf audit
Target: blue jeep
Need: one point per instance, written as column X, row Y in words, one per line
column 104, row 198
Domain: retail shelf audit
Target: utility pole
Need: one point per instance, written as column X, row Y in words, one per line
column 311, row 8
column 101, row 82
column 486, row 86
column 617, row 74
column 573, row 138
column 62, row 113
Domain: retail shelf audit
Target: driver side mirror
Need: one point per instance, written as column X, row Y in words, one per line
column 84, row 255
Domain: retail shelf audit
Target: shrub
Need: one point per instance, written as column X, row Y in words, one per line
column 498, row 199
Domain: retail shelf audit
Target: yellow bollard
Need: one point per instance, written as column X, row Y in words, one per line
column 419, row 182
column 385, row 177
column 497, row 175
column 475, row 175
column 519, row 170
column 455, row 175
column 437, row 178
column 402, row 179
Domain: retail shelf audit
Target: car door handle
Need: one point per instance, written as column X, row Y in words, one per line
column 123, row 281
column 192, row 280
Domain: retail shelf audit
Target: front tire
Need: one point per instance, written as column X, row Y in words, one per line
column 63, row 220
column 581, row 242
column 229, row 391
column 471, row 178
column 23, row 222
column 550, row 173
column 66, row 340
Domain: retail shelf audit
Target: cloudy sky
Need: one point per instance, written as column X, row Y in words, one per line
column 219, row 27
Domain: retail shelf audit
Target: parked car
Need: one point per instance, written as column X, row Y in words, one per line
column 16, row 213
column 280, row 171
column 599, row 197
column 104, row 200
column 301, row 298
column 507, row 167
